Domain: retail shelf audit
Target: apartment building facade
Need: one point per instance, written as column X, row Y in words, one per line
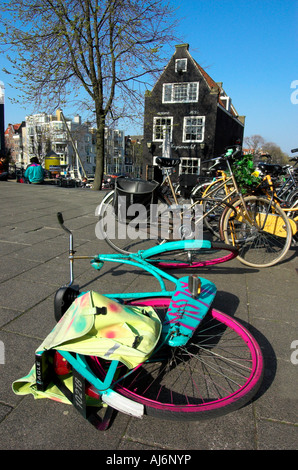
column 72, row 141
column 64, row 136
column 14, row 142
column 115, row 152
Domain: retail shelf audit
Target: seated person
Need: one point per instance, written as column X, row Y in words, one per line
column 3, row 169
column 34, row 172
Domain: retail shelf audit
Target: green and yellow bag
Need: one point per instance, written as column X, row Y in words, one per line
column 95, row 325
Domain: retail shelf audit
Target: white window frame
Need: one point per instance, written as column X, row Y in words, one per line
column 190, row 166
column 166, row 123
column 172, row 90
column 184, row 65
column 184, row 139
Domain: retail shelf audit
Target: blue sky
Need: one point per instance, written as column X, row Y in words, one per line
column 251, row 46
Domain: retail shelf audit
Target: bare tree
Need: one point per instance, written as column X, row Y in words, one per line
column 104, row 48
column 254, row 143
column 257, row 146
column 277, row 155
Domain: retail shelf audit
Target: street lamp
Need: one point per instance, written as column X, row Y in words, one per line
column 151, row 147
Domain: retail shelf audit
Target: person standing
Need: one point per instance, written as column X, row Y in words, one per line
column 34, row 172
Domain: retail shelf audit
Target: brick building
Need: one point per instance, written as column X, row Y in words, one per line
column 190, row 110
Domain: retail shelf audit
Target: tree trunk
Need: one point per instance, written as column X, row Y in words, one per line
column 100, row 154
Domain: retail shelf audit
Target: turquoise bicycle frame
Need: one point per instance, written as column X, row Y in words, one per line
column 187, row 308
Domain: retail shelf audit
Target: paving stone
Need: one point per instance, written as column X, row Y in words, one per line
column 34, row 263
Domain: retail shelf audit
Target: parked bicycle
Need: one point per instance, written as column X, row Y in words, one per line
column 283, row 178
column 259, row 228
column 173, row 215
column 269, row 210
column 283, row 182
column 166, row 353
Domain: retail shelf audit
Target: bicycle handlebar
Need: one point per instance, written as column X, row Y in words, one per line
column 60, row 218
column 294, row 159
column 61, row 222
column 233, row 151
column 294, row 150
column 71, row 250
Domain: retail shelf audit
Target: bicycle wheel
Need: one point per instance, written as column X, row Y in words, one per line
column 213, row 206
column 218, row 371
column 215, row 209
column 130, row 237
column 293, row 198
column 261, row 231
column 165, row 222
column 194, row 258
column 198, row 191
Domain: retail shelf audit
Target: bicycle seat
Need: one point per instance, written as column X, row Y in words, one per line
column 167, row 162
column 270, row 168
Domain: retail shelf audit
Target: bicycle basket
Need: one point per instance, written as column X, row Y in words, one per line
column 133, row 191
column 244, row 173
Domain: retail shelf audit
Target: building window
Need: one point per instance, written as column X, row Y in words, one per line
column 189, row 166
column 180, row 92
column 181, row 65
column 162, row 126
column 193, row 129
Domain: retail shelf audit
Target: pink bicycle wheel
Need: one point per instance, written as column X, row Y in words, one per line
column 218, row 371
column 195, row 258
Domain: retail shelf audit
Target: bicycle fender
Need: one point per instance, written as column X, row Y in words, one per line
column 123, row 404
column 98, row 208
column 185, row 312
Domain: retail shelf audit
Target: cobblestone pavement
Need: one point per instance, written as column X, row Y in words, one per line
column 34, row 264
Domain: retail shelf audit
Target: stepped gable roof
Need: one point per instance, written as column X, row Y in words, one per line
column 14, row 127
column 214, row 86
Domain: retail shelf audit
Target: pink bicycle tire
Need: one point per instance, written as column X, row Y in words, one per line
column 171, row 264
column 196, row 408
